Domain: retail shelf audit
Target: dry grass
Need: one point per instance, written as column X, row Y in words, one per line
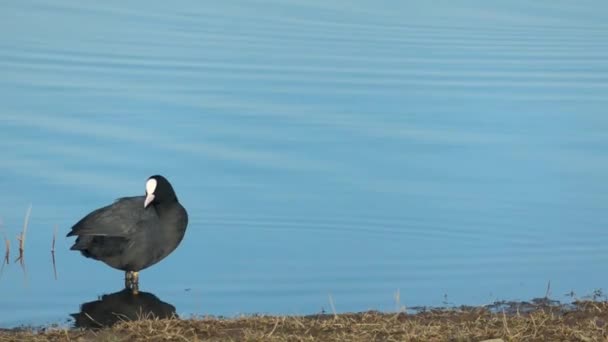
column 21, row 237
column 585, row 321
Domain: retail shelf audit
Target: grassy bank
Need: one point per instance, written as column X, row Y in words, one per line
column 582, row 321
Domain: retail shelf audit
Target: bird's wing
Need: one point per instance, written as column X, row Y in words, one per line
column 122, row 218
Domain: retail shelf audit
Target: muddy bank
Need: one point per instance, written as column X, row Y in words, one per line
column 539, row 320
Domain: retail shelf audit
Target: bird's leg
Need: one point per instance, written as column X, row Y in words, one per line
column 128, row 279
column 135, row 283
column 132, row 281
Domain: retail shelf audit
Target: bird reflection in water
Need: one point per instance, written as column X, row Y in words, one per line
column 122, row 306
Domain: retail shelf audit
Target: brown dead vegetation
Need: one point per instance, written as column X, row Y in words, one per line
column 581, row 321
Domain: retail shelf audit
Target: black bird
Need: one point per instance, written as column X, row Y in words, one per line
column 134, row 233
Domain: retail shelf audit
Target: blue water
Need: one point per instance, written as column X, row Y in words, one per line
column 454, row 152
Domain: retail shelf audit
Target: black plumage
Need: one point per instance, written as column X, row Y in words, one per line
column 134, row 233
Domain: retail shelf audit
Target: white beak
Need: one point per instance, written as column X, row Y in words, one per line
column 149, row 199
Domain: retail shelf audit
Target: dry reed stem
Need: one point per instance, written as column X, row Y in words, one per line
column 7, row 245
column 333, row 307
column 7, row 254
column 504, row 322
column 53, row 252
column 22, row 237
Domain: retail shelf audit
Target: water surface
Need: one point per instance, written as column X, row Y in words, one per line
column 454, row 153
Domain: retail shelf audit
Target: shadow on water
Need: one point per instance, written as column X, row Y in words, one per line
column 122, row 306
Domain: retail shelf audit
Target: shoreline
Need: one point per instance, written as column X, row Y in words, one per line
column 537, row 320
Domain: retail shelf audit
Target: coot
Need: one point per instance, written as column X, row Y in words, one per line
column 134, row 233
